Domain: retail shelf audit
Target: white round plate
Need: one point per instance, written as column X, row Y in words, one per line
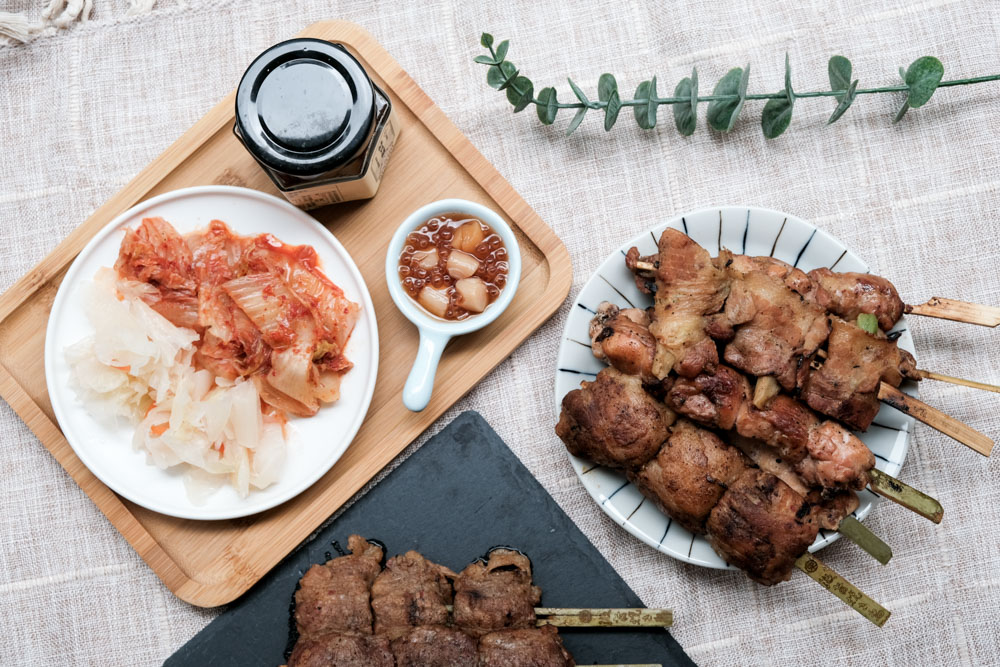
column 753, row 231
column 314, row 444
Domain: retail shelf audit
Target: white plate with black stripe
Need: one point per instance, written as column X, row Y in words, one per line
column 746, row 230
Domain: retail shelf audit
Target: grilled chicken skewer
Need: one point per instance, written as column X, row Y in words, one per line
column 823, row 454
column 773, row 320
column 848, row 295
column 352, row 612
column 751, row 518
column 851, row 293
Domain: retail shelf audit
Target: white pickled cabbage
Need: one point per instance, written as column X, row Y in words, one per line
column 138, row 365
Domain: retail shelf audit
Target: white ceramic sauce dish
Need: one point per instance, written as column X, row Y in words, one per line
column 434, row 331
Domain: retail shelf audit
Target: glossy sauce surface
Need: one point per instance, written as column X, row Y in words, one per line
column 454, row 266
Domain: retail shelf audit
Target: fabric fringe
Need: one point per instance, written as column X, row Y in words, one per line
column 59, row 14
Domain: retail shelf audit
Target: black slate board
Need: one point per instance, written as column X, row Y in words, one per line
column 461, row 493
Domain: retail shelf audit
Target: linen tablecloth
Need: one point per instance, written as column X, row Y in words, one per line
column 84, row 109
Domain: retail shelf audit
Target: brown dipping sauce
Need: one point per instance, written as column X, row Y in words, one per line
column 454, row 266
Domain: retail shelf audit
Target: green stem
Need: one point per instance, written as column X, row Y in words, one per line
column 769, row 96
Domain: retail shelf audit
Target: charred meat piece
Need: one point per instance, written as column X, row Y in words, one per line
column 829, row 507
column 410, row 591
column 851, row 294
column 496, row 594
column 622, row 338
column 341, row 650
column 837, row 458
column 534, row 647
column 784, row 423
column 846, row 386
column 689, row 286
column 689, row 475
column 335, row 597
column 435, row 646
column 613, row 421
column 795, row 279
column 715, row 400
column 776, row 330
column 761, row 526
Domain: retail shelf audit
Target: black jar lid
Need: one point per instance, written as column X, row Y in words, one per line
column 305, row 107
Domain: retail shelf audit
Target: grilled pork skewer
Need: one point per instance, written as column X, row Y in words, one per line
column 824, row 453
column 773, row 319
column 752, row 518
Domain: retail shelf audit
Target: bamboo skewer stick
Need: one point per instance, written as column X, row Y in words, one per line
column 604, row 618
column 856, row 532
column 936, row 419
column 598, row 617
column 889, row 487
column 843, row 589
column 931, row 375
column 956, row 311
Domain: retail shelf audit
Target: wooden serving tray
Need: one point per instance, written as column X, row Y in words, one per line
column 208, row 563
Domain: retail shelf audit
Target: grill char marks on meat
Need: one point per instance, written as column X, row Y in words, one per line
column 613, row 421
column 723, row 400
column 496, row 594
column 761, row 526
column 689, row 474
column 823, row 453
column 846, row 385
column 534, row 647
column 624, row 335
column 776, row 329
column 410, row 591
column 335, row 597
column 851, row 294
column 690, row 285
column 435, row 646
column 342, row 650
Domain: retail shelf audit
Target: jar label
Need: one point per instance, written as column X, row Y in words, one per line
column 361, row 188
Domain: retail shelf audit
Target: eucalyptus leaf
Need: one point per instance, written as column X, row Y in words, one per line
column 497, row 75
column 611, row 111
column 684, row 116
column 579, row 93
column 520, row 93
column 651, row 104
column 502, row 50
column 923, row 77
column 605, row 86
column 607, row 91
column 788, row 80
column 839, row 70
column 484, row 60
column 486, row 40
column 902, row 73
column 577, row 119
column 846, row 101
column 777, row 116
column 722, row 113
column 902, row 112
column 510, row 77
column 547, row 108
column 641, row 110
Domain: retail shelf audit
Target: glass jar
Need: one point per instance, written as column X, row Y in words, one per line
column 309, row 114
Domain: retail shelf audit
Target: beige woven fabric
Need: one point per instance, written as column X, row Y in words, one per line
column 83, row 110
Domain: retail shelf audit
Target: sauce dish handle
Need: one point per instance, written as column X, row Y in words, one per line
column 420, row 383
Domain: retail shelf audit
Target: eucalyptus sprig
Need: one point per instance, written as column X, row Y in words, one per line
column 920, row 80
